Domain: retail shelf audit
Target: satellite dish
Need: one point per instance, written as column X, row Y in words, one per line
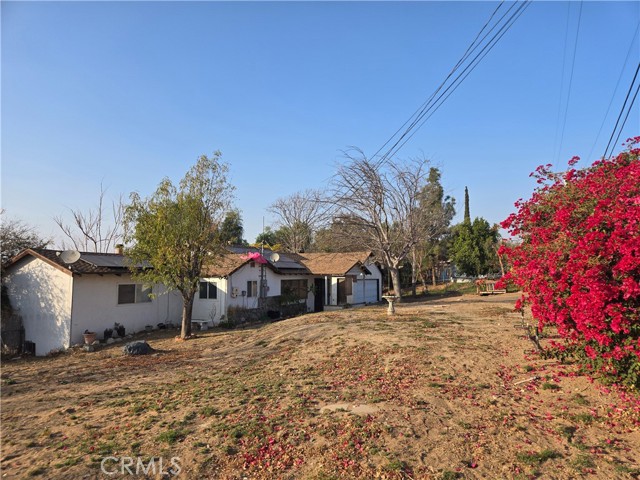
column 70, row 256
column 275, row 257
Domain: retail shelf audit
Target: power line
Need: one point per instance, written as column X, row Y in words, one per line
column 564, row 66
column 626, row 116
column 517, row 15
column 622, row 113
column 573, row 62
column 431, row 106
column 615, row 90
column 466, row 54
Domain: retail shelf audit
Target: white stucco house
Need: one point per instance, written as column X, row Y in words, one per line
column 320, row 281
column 59, row 301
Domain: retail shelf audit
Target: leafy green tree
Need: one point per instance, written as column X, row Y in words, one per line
column 268, row 237
column 437, row 211
column 232, row 230
column 474, row 247
column 467, row 214
column 175, row 230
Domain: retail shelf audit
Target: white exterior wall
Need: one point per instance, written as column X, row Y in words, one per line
column 211, row 309
column 202, row 308
column 359, row 289
column 42, row 295
column 239, row 279
column 247, row 273
column 95, row 307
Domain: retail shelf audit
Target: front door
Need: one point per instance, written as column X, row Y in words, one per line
column 342, row 291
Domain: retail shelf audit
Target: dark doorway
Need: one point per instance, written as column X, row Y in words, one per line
column 342, row 291
column 318, row 302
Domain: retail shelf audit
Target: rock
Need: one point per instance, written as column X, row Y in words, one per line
column 119, row 339
column 109, row 341
column 96, row 342
column 137, row 348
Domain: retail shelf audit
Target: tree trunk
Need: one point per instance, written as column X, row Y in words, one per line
column 187, row 308
column 414, row 279
column 433, row 276
column 500, row 260
column 423, row 280
column 395, row 280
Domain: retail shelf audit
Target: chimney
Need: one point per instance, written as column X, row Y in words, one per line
column 119, row 250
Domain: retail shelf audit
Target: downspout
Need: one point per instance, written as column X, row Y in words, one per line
column 223, row 310
column 325, row 300
column 71, row 311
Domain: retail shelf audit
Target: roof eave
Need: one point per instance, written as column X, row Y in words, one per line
column 37, row 255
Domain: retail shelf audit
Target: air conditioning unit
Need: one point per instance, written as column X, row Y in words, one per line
column 234, row 292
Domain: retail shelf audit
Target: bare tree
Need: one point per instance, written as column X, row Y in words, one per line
column 338, row 236
column 380, row 201
column 15, row 236
column 298, row 217
column 97, row 229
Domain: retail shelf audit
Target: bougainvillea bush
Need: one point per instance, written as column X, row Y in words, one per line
column 578, row 262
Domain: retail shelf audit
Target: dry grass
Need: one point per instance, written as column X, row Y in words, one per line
column 350, row 394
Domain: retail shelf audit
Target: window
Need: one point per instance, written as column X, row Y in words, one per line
column 252, row 288
column 293, row 290
column 133, row 293
column 208, row 290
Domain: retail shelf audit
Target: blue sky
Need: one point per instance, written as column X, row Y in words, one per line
column 130, row 92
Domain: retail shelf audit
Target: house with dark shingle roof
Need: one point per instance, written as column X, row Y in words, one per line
column 246, row 277
column 58, row 301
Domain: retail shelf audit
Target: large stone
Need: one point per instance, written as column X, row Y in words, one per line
column 109, row 341
column 137, row 348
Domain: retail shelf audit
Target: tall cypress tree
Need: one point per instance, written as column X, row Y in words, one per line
column 467, row 215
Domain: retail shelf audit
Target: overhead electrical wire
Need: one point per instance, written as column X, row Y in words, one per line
column 615, row 90
column 435, row 108
column 439, row 96
column 429, row 104
column 564, row 66
column 573, row 63
column 611, row 142
column 635, row 95
column 462, row 59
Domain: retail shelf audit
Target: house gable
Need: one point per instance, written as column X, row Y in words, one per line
column 58, row 302
column 42, row 294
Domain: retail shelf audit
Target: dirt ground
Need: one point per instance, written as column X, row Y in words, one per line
column 447, row 388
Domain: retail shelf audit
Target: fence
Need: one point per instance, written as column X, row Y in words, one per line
column 12, row 340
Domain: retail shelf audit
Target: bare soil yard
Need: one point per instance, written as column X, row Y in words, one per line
column 435, row 392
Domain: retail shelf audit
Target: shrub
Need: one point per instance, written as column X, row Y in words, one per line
column 578, row 262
